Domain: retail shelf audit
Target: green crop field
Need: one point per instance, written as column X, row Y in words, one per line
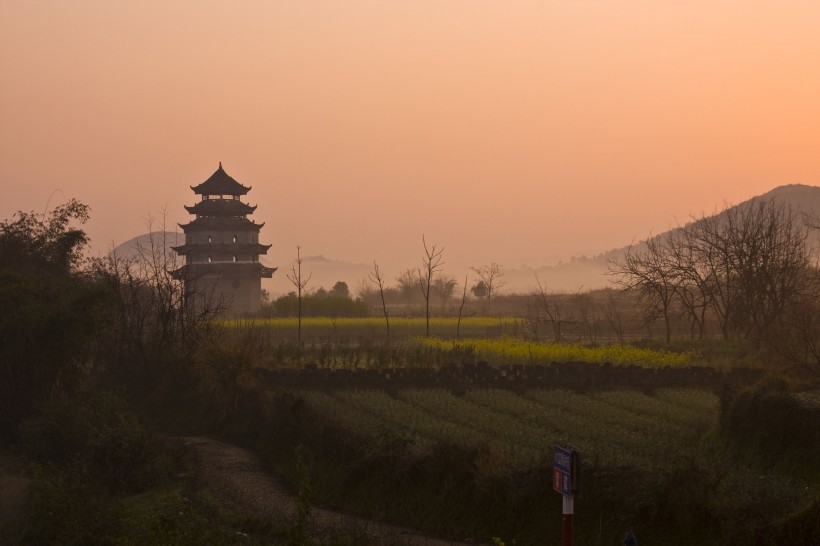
column 613, row 427
column 479, row 463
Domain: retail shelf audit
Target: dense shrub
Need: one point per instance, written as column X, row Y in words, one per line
column 69, row 509
column 319, row 306
column 52, row 313
column 102, row 436
column 768, row 424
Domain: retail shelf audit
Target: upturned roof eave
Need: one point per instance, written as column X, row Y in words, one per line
column 204, row 207
column 201, row 190
column 204, row 268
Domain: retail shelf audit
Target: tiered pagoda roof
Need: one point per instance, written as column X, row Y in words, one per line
column 220, row 183
column 191, row 271
column 221, row 207
column 194, row 248
column 221, row 222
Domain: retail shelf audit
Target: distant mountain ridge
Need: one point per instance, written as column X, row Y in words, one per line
column 589, row 273
column 577, row 273
column 129, row 249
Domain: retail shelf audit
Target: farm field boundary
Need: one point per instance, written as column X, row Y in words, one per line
column 570, row 375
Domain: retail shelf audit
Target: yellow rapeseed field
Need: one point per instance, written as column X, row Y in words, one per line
column 512, row 350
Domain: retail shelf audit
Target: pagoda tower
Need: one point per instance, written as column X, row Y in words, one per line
column 222, row 248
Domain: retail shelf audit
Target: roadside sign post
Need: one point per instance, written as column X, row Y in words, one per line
column 566, row 472
column 569, row 507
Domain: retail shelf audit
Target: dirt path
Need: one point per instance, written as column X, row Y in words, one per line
column 237, row 477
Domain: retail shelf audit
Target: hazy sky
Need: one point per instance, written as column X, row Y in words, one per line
column 507, row 131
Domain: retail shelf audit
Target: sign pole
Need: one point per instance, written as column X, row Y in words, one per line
column 569, row 506
column 566, row 472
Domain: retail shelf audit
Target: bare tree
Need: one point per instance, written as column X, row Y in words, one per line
column 164, row 310
column 745, row 265
column 376, row 278
column 762, row 261
column 587, row 312
column 693, row 286
column 461, row 307
column 431, row 265
column 295, row 277
column 490, row 275
column 796, row 336
column 553, row 310
column 649, row 274
column 712, row 258
column 614, row 316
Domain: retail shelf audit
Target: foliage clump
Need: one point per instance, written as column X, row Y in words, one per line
column 52, row 312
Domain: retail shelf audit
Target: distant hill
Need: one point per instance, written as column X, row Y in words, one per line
column 568, row 276
column 128, row 249
column 589, row 273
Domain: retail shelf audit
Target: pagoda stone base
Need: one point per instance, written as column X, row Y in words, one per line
column 237, row 296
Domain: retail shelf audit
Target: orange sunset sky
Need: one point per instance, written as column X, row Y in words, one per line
column 516, row 131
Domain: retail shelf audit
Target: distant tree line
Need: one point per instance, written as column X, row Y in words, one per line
column 335, row 302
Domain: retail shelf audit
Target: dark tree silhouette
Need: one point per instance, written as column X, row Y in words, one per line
column 376, row 278
column 432, row 263
column 295, row 277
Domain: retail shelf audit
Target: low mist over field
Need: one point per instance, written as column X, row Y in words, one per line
column 568, row 274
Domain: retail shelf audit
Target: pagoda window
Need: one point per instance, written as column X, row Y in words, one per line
column 209, row 238
column 234, row 258
column 234, row 238
column 209, row 259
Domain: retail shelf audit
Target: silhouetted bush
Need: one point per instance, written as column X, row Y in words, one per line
column 67, row 508
column 319, row 306
column 100, row 434
column 766, row 423
column 52, row 314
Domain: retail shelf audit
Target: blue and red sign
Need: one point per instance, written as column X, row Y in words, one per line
column 562, row 471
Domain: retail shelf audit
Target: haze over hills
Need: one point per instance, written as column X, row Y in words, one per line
column 573, row 274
